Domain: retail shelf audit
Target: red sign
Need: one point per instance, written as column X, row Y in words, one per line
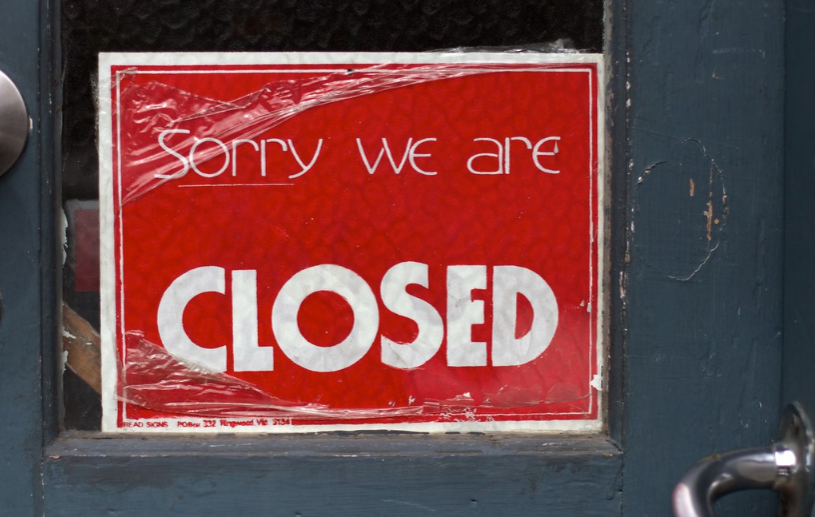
column 351, row 241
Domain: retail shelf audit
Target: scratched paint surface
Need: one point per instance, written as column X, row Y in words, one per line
column 277, row 171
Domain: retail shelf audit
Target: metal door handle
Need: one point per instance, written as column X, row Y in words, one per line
column 13, row 123
column 788, row 467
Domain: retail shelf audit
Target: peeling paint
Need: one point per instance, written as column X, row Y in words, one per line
column 64, row 222
column 622, row 285
column 418, row 506
column 679, row 244
column 709, row 216
column 597, row 382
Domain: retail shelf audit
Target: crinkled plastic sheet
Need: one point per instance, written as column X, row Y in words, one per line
column 161, row 106
column 154, row 379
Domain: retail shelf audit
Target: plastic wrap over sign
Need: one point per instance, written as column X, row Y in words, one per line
column 301, row 242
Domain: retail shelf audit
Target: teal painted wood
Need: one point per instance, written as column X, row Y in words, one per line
column 393, row 475
column 698, row 356
column 342, row 474
column 23, row 270
column 799, row 192
column 702, row 358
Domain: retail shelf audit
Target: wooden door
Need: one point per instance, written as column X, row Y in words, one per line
column 696, row 125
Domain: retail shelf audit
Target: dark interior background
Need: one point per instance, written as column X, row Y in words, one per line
column 89, row 27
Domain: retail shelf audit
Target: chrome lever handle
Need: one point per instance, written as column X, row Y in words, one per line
column 788, row 467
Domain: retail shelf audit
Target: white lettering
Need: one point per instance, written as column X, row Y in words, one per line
column 248, row 356
column 208, row 279
column 185, row 166
column 413, row 155
column 507, row 150
column 536, row 152
column 358, row 295
column 397, row 300
column 305, row 168
column 385, row 150
column 224, row 149
column 462, row 313
column 502, row 157
column 507, row 283
column 497, row 156
column 263, row 152
column 235, row 144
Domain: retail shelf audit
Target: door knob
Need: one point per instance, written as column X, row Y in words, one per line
column 13, row 123
column 788, row 467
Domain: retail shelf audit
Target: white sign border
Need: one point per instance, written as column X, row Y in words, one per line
column 217, row 59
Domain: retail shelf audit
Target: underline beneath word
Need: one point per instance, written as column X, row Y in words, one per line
column 240, row 185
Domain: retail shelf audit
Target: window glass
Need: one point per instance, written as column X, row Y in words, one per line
column 89, row 28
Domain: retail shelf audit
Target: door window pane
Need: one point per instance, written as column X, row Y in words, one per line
column 89, row 28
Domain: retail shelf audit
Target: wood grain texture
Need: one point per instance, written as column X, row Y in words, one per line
column 372, row 474
column 83, row 346
column 21, row 265
column 702, row 359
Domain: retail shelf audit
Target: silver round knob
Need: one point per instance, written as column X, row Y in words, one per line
column 13, row 123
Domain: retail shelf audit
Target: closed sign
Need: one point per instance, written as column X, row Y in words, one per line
column 301, row 242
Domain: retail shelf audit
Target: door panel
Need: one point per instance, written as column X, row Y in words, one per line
column 702, row 360
column 799, row 212
column 387, row 474
column 696, row 94
column 26, row 275
column 89, row 28
column 369, row 474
